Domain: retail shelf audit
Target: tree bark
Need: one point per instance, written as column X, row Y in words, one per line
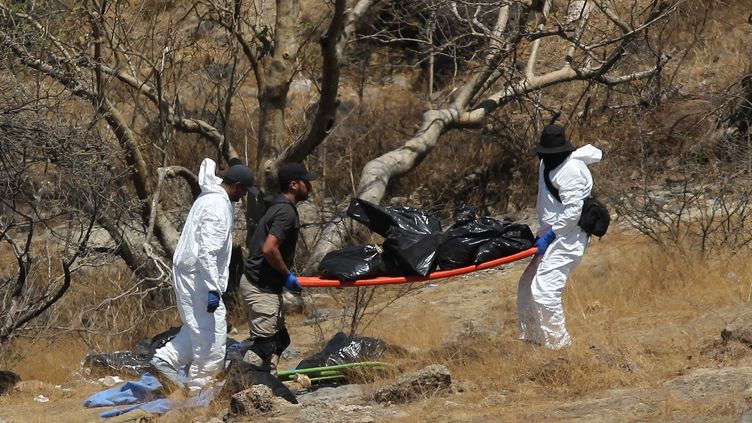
column 279, row 69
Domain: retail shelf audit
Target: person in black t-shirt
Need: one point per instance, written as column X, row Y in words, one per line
column 268, row 267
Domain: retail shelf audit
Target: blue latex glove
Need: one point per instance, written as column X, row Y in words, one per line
column 291, row 282
column 214, row 299
column 543, row 242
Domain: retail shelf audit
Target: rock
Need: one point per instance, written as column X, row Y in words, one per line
column 301, row 382
column 290, row 353
column 41, row 398
column 746, row 417
column 253, row 401
column 292, row 303
column 429, row 381
column 738, row 330
column 242, row 376
column 321, row 314
column 707, row 385
column 333, row 394
column 203, row 29
column 111, row 381
column 8, row 380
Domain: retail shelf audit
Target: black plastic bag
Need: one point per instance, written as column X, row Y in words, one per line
column 342, row 349
column 120, row 362
column 461, row 242
column 515, row 238
column 382, row 219
column 135, row 362
column 8, row 380
column 352, row 263
column 413, row 253
column 463, row 213
column 411, row 236
column 130, row 363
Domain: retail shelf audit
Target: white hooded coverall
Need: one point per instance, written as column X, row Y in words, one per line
column 539, row 294
column 201, row 264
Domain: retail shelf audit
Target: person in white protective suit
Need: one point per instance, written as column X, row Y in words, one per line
column 200, row 269
column 564, row 183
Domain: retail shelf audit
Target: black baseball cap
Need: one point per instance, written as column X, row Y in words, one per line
column 241, row 174
column 289, row 172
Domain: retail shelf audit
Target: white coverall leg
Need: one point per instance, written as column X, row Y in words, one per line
column 201, row 340
column 539, row 295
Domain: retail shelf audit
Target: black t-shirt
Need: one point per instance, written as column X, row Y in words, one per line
column 281, row 220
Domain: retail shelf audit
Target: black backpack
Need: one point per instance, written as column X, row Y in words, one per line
column 594, row 218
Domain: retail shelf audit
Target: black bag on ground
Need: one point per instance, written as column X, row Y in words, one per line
column 8, row 380
column 411, row 235
column 130, row 363
column 121, row 362
column 342, row 349
column 463, row 213
column 352, row 263
column 595, row 217
column 135, row 362
column 514, row 238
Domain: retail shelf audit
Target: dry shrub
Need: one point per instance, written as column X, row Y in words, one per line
column 104, row 311
column 634, row 311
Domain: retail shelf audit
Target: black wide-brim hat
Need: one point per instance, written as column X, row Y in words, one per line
column 553, row 141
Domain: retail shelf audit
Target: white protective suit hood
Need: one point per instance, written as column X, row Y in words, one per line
column 207, row 179
column 588, row 154
column 206, row 240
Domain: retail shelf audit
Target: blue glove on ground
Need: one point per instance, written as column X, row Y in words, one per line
column 543, row 242
column 213, row 301
column 291, row 282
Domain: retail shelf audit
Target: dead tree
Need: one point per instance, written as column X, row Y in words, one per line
column 592, row 41
column 166, row 87
column 45, row 172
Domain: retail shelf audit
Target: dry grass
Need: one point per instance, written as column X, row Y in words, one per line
column 638, row 316
column 54, row 362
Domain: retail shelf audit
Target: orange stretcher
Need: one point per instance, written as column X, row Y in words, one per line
column 316, row 282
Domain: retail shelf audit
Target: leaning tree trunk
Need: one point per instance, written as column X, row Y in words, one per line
column 378, row 172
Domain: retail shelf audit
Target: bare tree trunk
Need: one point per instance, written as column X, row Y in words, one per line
column 378, row 172
column 279, row 71
column 323, row 122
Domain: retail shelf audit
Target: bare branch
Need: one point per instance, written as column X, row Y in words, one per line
column 323, row 122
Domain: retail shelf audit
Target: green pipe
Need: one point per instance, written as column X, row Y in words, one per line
column 375, row 364
column 319, row 379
